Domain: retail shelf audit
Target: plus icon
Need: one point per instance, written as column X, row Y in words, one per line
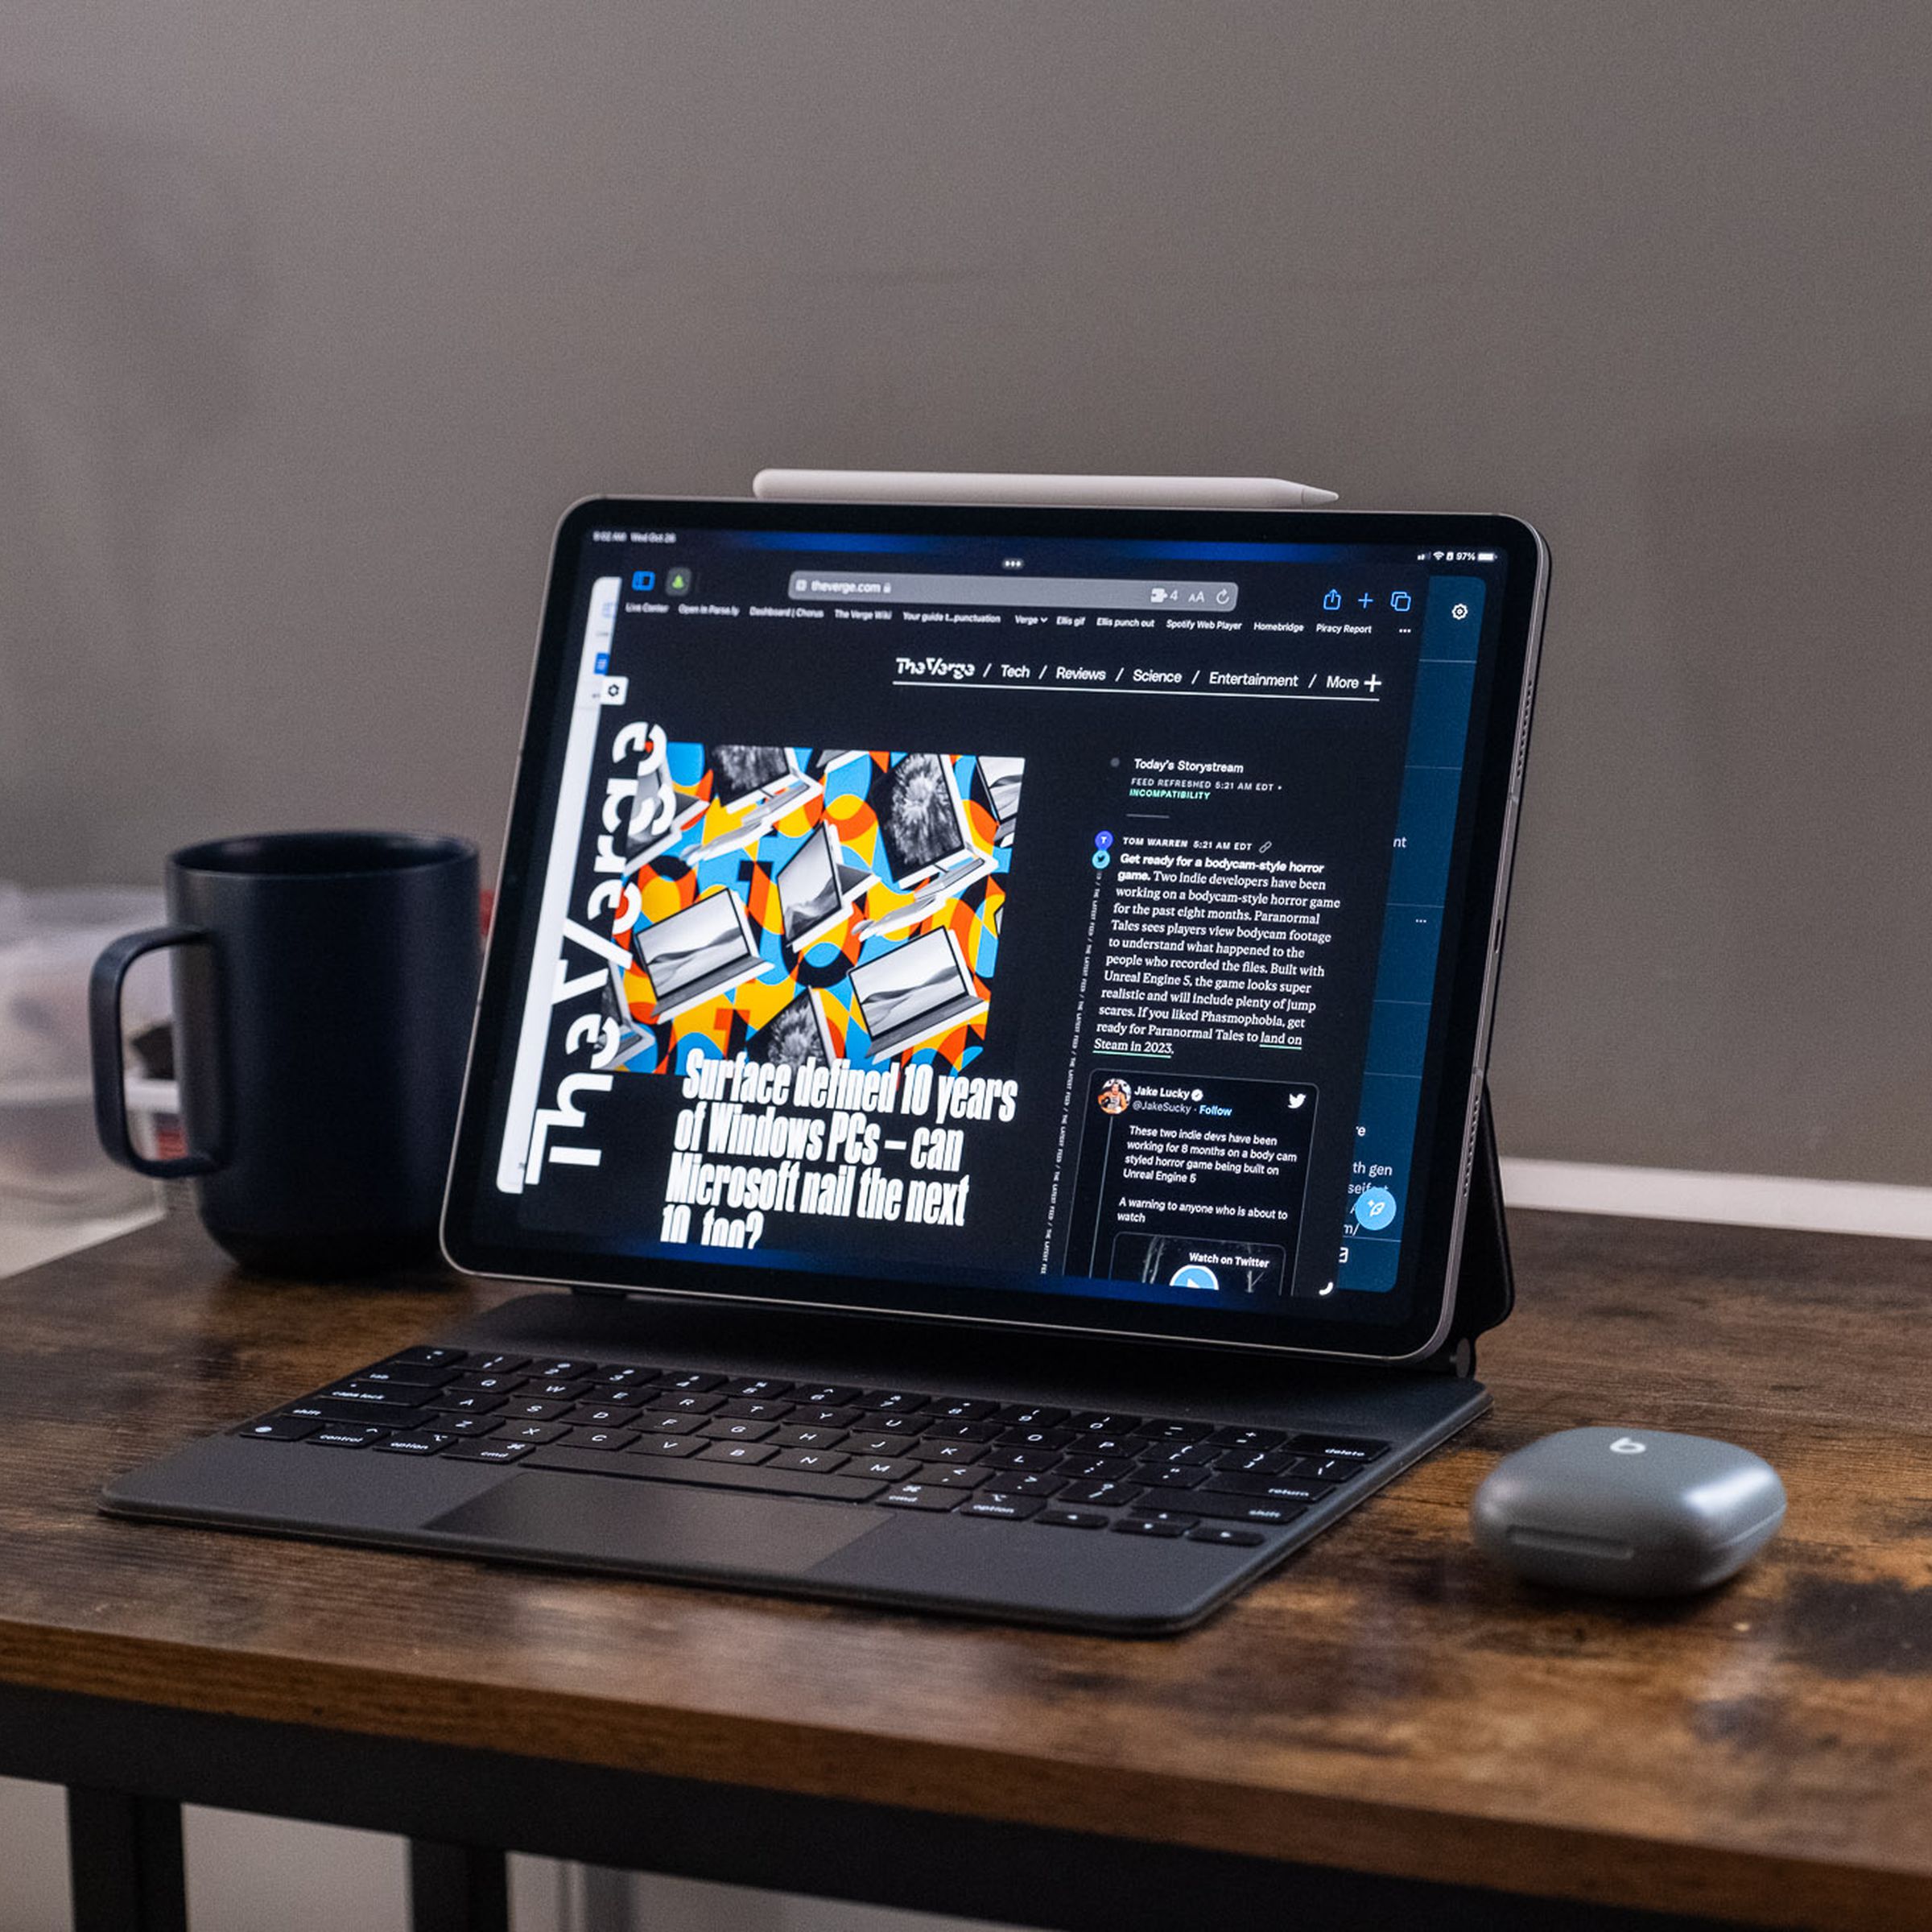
column 1365, row 599
column 1374, row 683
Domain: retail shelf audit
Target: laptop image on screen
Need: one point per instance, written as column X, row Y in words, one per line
column 697, row 954
column 794, row 1036
column 816, row 887
column 660, row 814
column 915, row 992
column 923, row 833
column 978, row 1259
column 996, row 785
column 763, row 781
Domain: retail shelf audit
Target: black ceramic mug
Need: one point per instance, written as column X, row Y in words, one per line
column 324, row 984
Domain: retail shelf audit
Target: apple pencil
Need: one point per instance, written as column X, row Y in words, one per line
column 1092, row 493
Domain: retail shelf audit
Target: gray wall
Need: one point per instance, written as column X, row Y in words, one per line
column 313, row 317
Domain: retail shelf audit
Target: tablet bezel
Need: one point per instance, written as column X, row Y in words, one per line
column 1474, row 901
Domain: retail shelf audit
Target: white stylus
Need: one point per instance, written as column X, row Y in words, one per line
column 1091, row 493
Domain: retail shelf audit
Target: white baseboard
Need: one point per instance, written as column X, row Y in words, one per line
column 1746, row 1200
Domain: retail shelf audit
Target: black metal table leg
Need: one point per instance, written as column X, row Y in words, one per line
column 125, row 1868
column 456, row 1889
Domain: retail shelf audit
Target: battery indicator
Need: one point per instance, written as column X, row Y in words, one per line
column 1485, row 556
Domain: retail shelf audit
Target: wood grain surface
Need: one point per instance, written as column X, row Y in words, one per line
column 1385, row 1701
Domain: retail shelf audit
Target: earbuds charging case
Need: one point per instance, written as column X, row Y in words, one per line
column 1627, row 1511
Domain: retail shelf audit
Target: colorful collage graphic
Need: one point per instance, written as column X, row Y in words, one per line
column 795, row 905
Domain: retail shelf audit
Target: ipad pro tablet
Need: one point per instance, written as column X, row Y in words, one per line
column 1082, row 919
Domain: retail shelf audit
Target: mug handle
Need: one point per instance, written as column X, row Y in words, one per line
column 103, row 1028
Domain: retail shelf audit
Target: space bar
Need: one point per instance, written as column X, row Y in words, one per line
column 721, row 1475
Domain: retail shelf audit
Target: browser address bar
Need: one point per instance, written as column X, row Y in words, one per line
column 1059, row 593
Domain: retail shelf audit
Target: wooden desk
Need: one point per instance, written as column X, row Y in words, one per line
column 1379, row 1735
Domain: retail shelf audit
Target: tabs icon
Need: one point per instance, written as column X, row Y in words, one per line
column 1332, row 601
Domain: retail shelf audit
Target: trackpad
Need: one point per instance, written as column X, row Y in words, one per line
column 598, row 1519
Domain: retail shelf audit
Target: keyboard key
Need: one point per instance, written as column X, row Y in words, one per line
column 1092, row 1468
column 539, row 1411
column 1008, row 1508
column 1032, row 1486
column 424, row 1441
column 827, row 1394
column 727, row 1429
column 1179, row 1455
column 346, row 1435
column 821, row 1415
column 464, row 1405
column 1332, row 1469
column 823, row 1460
column 840, row 1487
column 1073, row 1519
column 532, row 1432
column 626, row 1378
column 958, row 1409
column 755, row 1410
column 1171, row 1519
column 602, row 1415
column 1037, row 1461
column 941, row 1451
column 669, row 1421
column 606, row 1439
column 1282, row 1488
column 895, row 1444
column 883, row 1468
column 430, row 1358
column 1231, row 1437
column 789, row 1436
column 1258, row 1461
column 736, row 1452
column 687, row 1401
column 917, row 1496
column 471, row 1426
column 1176, row 1432
column 484, row 1384
column 756, row 1385
column 1244, row 1509
column 957, row 1432
column 560, row 1389
column 1122, row 1446
column 495, row 1365
column 1038, row 1438
column 1030, row 1415
column 949, row 1476
column 1110, row 1496
column 562, row 1368
column 412, row 1375
column 488, row 1452
column 893, row 1401
column 691, row 1381
column 1225, row 1533
column 1147, row 1525
column 1165, row 1477
column 328, row 1409
column 669, row 1445
column 392, row 1395
column 1341, row 1448
column 281, row 1428
column 1096, row 1422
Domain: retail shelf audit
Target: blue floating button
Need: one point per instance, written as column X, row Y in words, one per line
column 1374, row 1208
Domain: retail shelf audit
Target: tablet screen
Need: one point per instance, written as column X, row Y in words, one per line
column 1038, row 915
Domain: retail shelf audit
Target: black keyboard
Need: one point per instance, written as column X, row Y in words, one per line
column 884, row 1448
